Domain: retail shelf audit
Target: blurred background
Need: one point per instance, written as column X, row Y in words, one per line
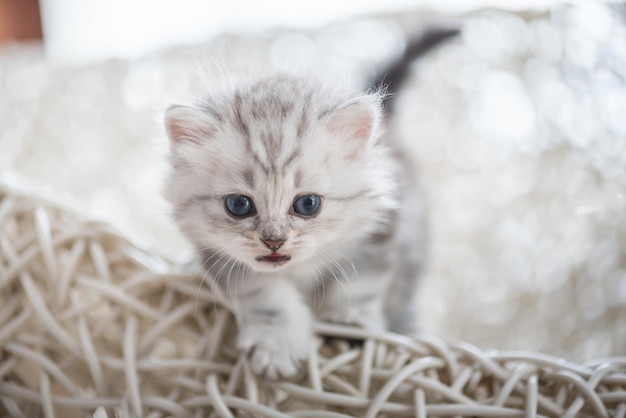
column 518, row 126
column 80, row 31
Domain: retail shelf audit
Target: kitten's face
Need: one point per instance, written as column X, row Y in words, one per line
column 272, row 181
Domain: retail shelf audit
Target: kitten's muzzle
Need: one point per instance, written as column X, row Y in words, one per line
column 274, row 258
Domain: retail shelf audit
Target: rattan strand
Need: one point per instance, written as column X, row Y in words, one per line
column 91, row 325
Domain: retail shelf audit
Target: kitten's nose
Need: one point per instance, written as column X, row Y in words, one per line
column 273, row 245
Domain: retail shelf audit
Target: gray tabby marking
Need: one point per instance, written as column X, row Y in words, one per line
column 300, row 207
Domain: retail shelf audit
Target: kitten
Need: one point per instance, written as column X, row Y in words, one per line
column 297, row 202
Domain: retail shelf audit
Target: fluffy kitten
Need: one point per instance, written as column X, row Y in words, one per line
column 296, row 203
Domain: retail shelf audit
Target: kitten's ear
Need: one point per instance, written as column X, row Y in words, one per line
column 186, row 124
column 358, row 119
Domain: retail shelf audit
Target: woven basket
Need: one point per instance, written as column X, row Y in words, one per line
column 90, row 325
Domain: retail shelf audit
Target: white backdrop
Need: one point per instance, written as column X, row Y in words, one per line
column 85, row 30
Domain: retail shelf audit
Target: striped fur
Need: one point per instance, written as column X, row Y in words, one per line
column 273, row 140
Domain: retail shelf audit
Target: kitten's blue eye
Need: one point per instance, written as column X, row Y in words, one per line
column 239, row 206
column 307, row 205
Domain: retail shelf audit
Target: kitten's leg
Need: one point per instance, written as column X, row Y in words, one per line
column 402, row 301
column 410, row 249
column 275, row 326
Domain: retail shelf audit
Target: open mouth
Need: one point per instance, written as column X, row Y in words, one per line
column 274, row 258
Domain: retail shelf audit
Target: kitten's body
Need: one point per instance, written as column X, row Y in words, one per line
column 274, row 142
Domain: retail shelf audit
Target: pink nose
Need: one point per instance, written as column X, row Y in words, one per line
column 273, row 244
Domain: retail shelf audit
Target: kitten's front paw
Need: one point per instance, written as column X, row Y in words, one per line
column 275, row 351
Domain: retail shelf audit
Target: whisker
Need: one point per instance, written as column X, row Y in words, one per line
column 318, row 277
column 328, row 266
column 222, row 252
column 349, row 261
column 346, row 284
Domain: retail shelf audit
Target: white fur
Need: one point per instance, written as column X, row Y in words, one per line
column 222, row 142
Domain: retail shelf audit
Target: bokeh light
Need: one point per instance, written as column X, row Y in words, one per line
column 518, row 127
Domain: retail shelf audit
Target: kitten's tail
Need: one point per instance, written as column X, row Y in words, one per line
column 389, row 80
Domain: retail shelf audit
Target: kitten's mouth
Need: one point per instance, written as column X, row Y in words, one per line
column 274, row 258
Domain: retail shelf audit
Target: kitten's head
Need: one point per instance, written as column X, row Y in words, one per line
column 278, row 172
